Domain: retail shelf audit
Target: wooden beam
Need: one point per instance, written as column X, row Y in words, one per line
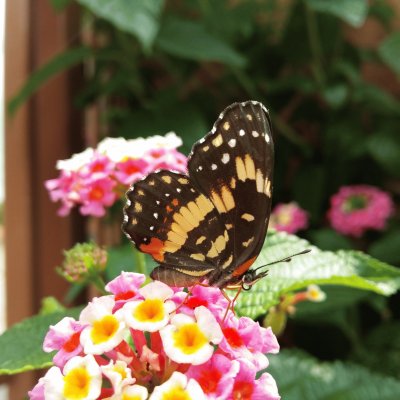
column 45, row 129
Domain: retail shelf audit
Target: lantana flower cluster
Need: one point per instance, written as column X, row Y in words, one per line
column 156, row 342
column 358, row 208
column 95, row 178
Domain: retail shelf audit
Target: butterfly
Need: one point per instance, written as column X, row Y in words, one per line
column 209, row 225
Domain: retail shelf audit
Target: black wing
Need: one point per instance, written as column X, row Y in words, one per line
column 166, row 217
column 232, row 166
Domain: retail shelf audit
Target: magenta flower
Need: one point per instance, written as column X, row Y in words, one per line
column 216, row 377
column 288, row 218
column 244, row 338
column 151, row 349
column 64, row 337
column 247, row 387
column 356, row 209
column 97, row 194
column 65, row 189
column 125, row 287
column 131, row 170
column 97, row 167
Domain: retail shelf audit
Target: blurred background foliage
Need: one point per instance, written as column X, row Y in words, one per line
column 329, row 73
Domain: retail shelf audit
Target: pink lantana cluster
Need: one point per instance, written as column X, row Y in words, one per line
column 356, row 209
column 156, row 342
column 288, row 218
column 95, row 178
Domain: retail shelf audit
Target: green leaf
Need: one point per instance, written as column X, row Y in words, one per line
column 59, row 5
column 301, row 377
column 381, row 349
column 328, row 239
column 389, row 50
column 353, row 12
column 192, row 41
column 384, row 147
column 140, row 18
column 387, row 247
column 58, row 64
column 21, row 345
column 348, row 268
column 377, row 100
column 336, row 95
column 337, row 298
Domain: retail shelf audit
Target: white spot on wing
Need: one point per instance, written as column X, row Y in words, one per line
column 232, row 143
column 155, row 215
column 214, row 167
column 152, row 227
column 255, row 134
column 267, row 138
column 158, row 202
column 225, row 158
column 166, row 194
column 128, row 202
column 242, row 132
column 178, row 190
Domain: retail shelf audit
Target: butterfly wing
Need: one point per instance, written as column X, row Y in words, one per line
column 233, row 166
column 166, row 217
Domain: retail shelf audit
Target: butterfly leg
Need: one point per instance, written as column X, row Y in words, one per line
column 231, row 305
column 190, row 290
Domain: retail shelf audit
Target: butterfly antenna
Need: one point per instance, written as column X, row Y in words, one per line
column 286, row 259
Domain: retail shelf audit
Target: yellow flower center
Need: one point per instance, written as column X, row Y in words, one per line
column 150, row 310
column 76, row 384
column 128, row 397
column 176, row 393
column 104, row 329
column 284, row 217
column 189, row 338
column 120, row 370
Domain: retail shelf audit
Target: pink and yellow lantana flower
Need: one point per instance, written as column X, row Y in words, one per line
column 96, row 178
column 141, row 343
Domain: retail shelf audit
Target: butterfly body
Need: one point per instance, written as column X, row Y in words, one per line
column 210, row 224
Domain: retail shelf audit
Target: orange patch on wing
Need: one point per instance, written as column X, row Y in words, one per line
column 154, row 248
column 241, row 269
column 175, row 202
column 169, row 209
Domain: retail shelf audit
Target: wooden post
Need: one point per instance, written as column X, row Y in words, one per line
column 45, row 129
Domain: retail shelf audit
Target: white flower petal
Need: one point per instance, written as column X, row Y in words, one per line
column 156, row 290
column 208, row 324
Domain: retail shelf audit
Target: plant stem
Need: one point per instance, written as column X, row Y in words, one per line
column 313, row 36
column 140, row 262
column 99, row 283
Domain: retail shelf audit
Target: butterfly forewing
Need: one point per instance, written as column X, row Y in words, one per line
column 210, row 224
column 233, row 166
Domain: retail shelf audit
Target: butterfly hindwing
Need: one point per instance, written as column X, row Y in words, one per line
column 169, row 219
column 233, row 167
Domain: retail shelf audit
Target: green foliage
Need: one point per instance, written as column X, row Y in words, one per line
column 347, row 268
column 389, row 51
column 300, row 376
column 21, row 345
column 58, row 64
column 381, row 349
column 59, row 4
column 192, row 41
column 353, row 12
column 140, row 18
